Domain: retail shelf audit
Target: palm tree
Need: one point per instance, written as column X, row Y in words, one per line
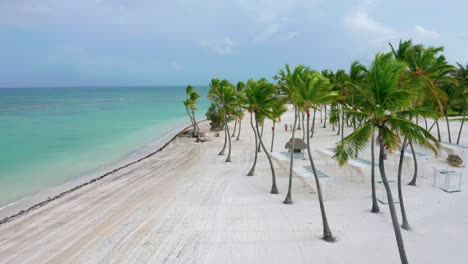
column 461, row 97
column 316, row 91
column 425, row 70
column 278, row 110
column 190, row 105
column 225, row 93
column 260, row 98
column 386, row 109
column 289, row 82
column 240, row 100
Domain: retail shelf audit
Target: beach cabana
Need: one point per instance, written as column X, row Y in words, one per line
column 299, row 145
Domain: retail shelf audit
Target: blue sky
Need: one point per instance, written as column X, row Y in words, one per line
column 178, row 42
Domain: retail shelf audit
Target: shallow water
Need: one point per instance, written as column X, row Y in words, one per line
column 49, row 136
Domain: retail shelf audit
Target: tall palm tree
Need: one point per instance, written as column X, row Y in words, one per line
column 386, row 109
column 240, row 100
column 316, row 91
column 289, row 83
column 225, row 93
column 190, row 105
column 461, row 97
column 278, row 110
column 426, row 70
column 260, row 98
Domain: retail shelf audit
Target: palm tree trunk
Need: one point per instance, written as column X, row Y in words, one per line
column 238, row 132
column 272, row 135
column 327, row 234
column 438, row 131
column 321, row 115
column 404, row 224
column 252, row 170
column 260, row 136
column 313, row 125
column 195, row 124
column 228, row 159
column 191, row 121
column 461, row 126
column 303, row 127
column 425, row 123
column 448, row 128
column 299, row 124
column 391, row 204
column 415, row 161
column 375, row 205
column 342, row 124
column 288, row 199
column 225, row 138
column 235, row 127
column 331, row 111
column 325, row 119
column 274, row 188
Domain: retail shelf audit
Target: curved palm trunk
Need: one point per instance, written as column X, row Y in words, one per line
column 448, row 127
column 438, row 131
column 325, row 119
column 331, row 111
column 375, row 205
column 272, row 135
column 225, row 138
column 303, row 127
column 391, row 204
column 327, row 234
column 239, row 132
column 404, row 224
column 321, row 114
column 274, row 188
column 260, row 137
column 342, row 124
column 313, row 125
column 338, row 121
column 235, row 127
column 252, row 170
column 415, row 162
column 195, row 124
column 228, row 159
column 461, row 126
column 299, row 116
column 191, row 121
column 288, row 199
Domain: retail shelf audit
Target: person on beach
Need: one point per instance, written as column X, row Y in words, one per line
column 285, row 127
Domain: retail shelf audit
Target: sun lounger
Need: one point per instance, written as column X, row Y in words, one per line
column 306, row 175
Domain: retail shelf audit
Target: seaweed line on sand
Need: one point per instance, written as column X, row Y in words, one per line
column 62, row 194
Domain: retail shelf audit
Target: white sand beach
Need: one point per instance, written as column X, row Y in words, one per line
column 186, row 205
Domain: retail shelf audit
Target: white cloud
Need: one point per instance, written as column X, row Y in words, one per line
column 225, row 46
column 361, row 22
column 270, row 31
column 426, row 33
column 277, row 20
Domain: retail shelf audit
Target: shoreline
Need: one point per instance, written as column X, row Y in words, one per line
column 171, row 136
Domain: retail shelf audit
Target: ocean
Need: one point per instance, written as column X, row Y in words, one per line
column 50, row 136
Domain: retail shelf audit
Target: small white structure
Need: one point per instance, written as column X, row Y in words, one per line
column 448, row 180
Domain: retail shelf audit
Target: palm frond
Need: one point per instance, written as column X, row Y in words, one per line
column 414, row 132
column 355, row 141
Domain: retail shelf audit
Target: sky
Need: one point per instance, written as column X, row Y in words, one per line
column 180, row 42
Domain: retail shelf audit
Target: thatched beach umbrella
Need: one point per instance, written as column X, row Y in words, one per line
column 299, row 145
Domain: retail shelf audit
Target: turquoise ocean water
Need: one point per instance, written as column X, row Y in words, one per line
column 49, row 136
